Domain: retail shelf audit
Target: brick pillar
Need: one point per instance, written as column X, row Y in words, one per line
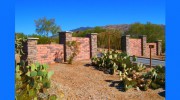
column 32, row 50
column 64, row 37
column 159, row 47
column 143, row 45
column 125, row 44
column 93, row 44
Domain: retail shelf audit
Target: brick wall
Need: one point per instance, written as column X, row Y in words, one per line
column 84, row 48
column 135, row 47
column 139, row 47
column 153, row 50
column 88, row 45
column 46, row 53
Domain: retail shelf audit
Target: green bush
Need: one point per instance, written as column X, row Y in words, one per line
column 42, row 39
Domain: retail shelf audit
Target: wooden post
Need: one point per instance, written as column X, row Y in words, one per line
column 150, row 46
column 108, row 41
column 150, row 57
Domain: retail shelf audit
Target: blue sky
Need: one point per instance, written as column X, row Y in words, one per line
column 71, row 14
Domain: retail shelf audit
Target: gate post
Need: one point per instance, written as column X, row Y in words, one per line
column 125, row 43
column 63, row 38
column 159, row 47
column 143, row 45
column 93, row 44
column 32, row 50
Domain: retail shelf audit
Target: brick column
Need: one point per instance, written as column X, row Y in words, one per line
column 64, row 37
column 93, row 44
column 125, row 43
column 159, row 47
column 32, row 50
column 143, row 45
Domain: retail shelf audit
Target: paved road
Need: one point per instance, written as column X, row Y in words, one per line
column 154, row 62
column 146, row 61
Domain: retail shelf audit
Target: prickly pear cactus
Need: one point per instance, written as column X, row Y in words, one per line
column 131, row 74
column 31, row 81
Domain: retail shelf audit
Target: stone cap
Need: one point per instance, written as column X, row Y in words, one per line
column 31, row 38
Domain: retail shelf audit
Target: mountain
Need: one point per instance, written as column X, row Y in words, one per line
column 81, row 29
column 123, row 27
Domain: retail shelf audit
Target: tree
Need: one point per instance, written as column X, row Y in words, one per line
column 45, row 26
column 20, row 35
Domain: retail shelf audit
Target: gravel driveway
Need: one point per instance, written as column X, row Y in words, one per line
column 80, row 82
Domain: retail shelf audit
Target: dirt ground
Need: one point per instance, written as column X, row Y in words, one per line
column 83, row 82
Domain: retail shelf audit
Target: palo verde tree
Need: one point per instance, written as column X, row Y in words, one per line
column 45, row 26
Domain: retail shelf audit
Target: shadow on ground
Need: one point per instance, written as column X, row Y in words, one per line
column 106, row 71
column 87, row 65
column 162, row 94
column 117, row 84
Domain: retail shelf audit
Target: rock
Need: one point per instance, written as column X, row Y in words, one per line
column 137, row 88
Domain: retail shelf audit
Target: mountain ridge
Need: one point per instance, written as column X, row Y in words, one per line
column 123, row 27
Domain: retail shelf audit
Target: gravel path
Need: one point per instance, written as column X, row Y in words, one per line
column 79, row 82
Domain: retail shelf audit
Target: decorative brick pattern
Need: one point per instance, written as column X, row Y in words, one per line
column 135, row 47
column 46, row 53
column 84, row 48
column 88, row 45
column 153, row 50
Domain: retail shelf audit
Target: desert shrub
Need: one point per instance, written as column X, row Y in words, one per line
column 55, row 40
column 74, row 47
column 19, row 44
column 42, row 39
column 19, row 47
